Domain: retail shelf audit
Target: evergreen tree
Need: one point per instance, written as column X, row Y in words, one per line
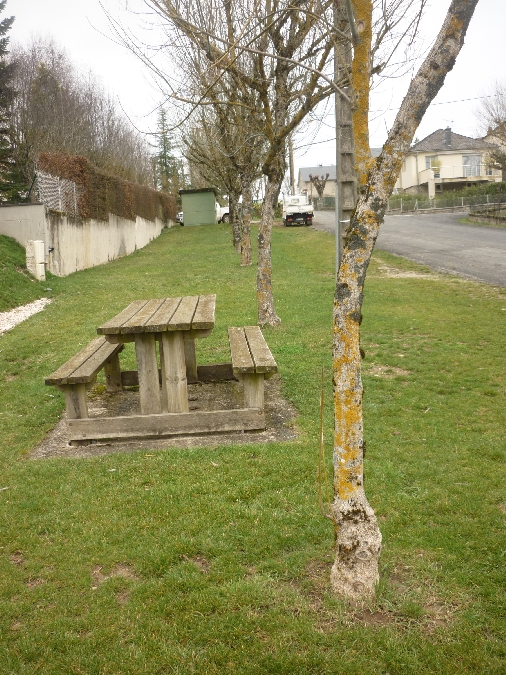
column 166, row 163
column 10, row 186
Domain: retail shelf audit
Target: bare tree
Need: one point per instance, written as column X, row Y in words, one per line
column 492, row 118
column 319, row 182
column 58, row 109
column 358, row 540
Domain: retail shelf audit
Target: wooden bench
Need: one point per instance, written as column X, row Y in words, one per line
column 80, row 372
column 252, row 362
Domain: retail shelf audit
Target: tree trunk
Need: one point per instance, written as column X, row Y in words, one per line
column 233, row 204
column 265, row 299
column 358, row 539
column 246, row 219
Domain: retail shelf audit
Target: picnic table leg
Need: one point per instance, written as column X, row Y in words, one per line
column 147, row 366
column 191, row 360
column 174, row 381
column 112, row 371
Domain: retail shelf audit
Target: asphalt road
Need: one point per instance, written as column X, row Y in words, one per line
column 442, row 243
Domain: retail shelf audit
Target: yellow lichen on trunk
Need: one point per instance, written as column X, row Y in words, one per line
column 348, row 412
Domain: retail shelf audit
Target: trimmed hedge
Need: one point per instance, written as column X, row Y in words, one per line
column 101, row 194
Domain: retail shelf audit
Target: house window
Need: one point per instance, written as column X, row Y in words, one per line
column 471, row 165
column 433, row 162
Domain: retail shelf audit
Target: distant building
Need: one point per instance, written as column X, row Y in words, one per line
column 305, row 187
column 445, row 160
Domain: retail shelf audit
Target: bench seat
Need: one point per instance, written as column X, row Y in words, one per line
column 252, row 362
column 79, row 373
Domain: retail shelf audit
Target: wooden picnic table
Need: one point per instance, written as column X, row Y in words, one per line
column 174, row 323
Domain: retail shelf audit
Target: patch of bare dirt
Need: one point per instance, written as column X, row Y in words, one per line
column 199, row 561
column 279, row 413
column 395, row 273
column 386, row 372
column 403, row 589
column 17, row 558
column 119, row 570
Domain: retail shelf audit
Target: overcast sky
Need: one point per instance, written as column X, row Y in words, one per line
column 81, row 27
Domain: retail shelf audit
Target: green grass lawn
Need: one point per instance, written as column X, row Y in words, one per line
column 17, row 287
column 217, row 561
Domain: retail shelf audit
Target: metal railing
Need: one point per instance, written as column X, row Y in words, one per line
column 407, row 204
column 461, row 171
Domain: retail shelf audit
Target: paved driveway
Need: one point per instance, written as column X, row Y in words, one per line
column 442, row 243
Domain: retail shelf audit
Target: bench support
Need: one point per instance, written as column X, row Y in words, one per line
column 253, row 390
column 75, row 400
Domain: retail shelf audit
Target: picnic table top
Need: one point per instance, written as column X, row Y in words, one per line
column 194, row 312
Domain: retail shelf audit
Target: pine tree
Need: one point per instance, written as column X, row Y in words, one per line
column 166, row 163
column 10, row 187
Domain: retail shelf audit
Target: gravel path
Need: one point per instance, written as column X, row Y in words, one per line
column 14, row 316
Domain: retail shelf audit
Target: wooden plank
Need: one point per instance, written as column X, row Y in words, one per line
column 94, row 364
column 149, row 389
column 136, row 323
column 262, row 356
column 158, row 322
column 215, row 372
column 239, row 350
column 114, row 325
column 166, row 424
column 174, row 383
column 204, row 314
column 65, row 371
column 183, row 316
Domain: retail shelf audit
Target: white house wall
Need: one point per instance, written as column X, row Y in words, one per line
column 451, row 167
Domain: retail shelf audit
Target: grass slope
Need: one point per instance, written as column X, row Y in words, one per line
column 217, row 561
column 17, row 286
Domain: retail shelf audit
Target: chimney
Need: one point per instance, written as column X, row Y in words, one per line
column 448, row 137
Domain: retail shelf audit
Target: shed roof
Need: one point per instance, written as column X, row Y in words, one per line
column 196, row 191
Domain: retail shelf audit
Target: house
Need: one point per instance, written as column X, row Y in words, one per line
column 306, row 187
column 445, row 160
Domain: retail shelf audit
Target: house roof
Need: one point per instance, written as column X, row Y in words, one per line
column 438, row 141
column 317, row 171
column 323, row 170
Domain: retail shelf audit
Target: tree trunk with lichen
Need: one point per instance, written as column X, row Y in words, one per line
column 233, row 204
column 265, row 298
column 358, row 539
column 246, row 220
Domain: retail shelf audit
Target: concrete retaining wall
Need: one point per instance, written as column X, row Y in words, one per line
column 23, row 222
column 76, row 243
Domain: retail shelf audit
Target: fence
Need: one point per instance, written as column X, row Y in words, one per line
column 58, row 194
column 412, row 203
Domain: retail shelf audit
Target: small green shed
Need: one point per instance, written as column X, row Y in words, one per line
column 199, row 206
